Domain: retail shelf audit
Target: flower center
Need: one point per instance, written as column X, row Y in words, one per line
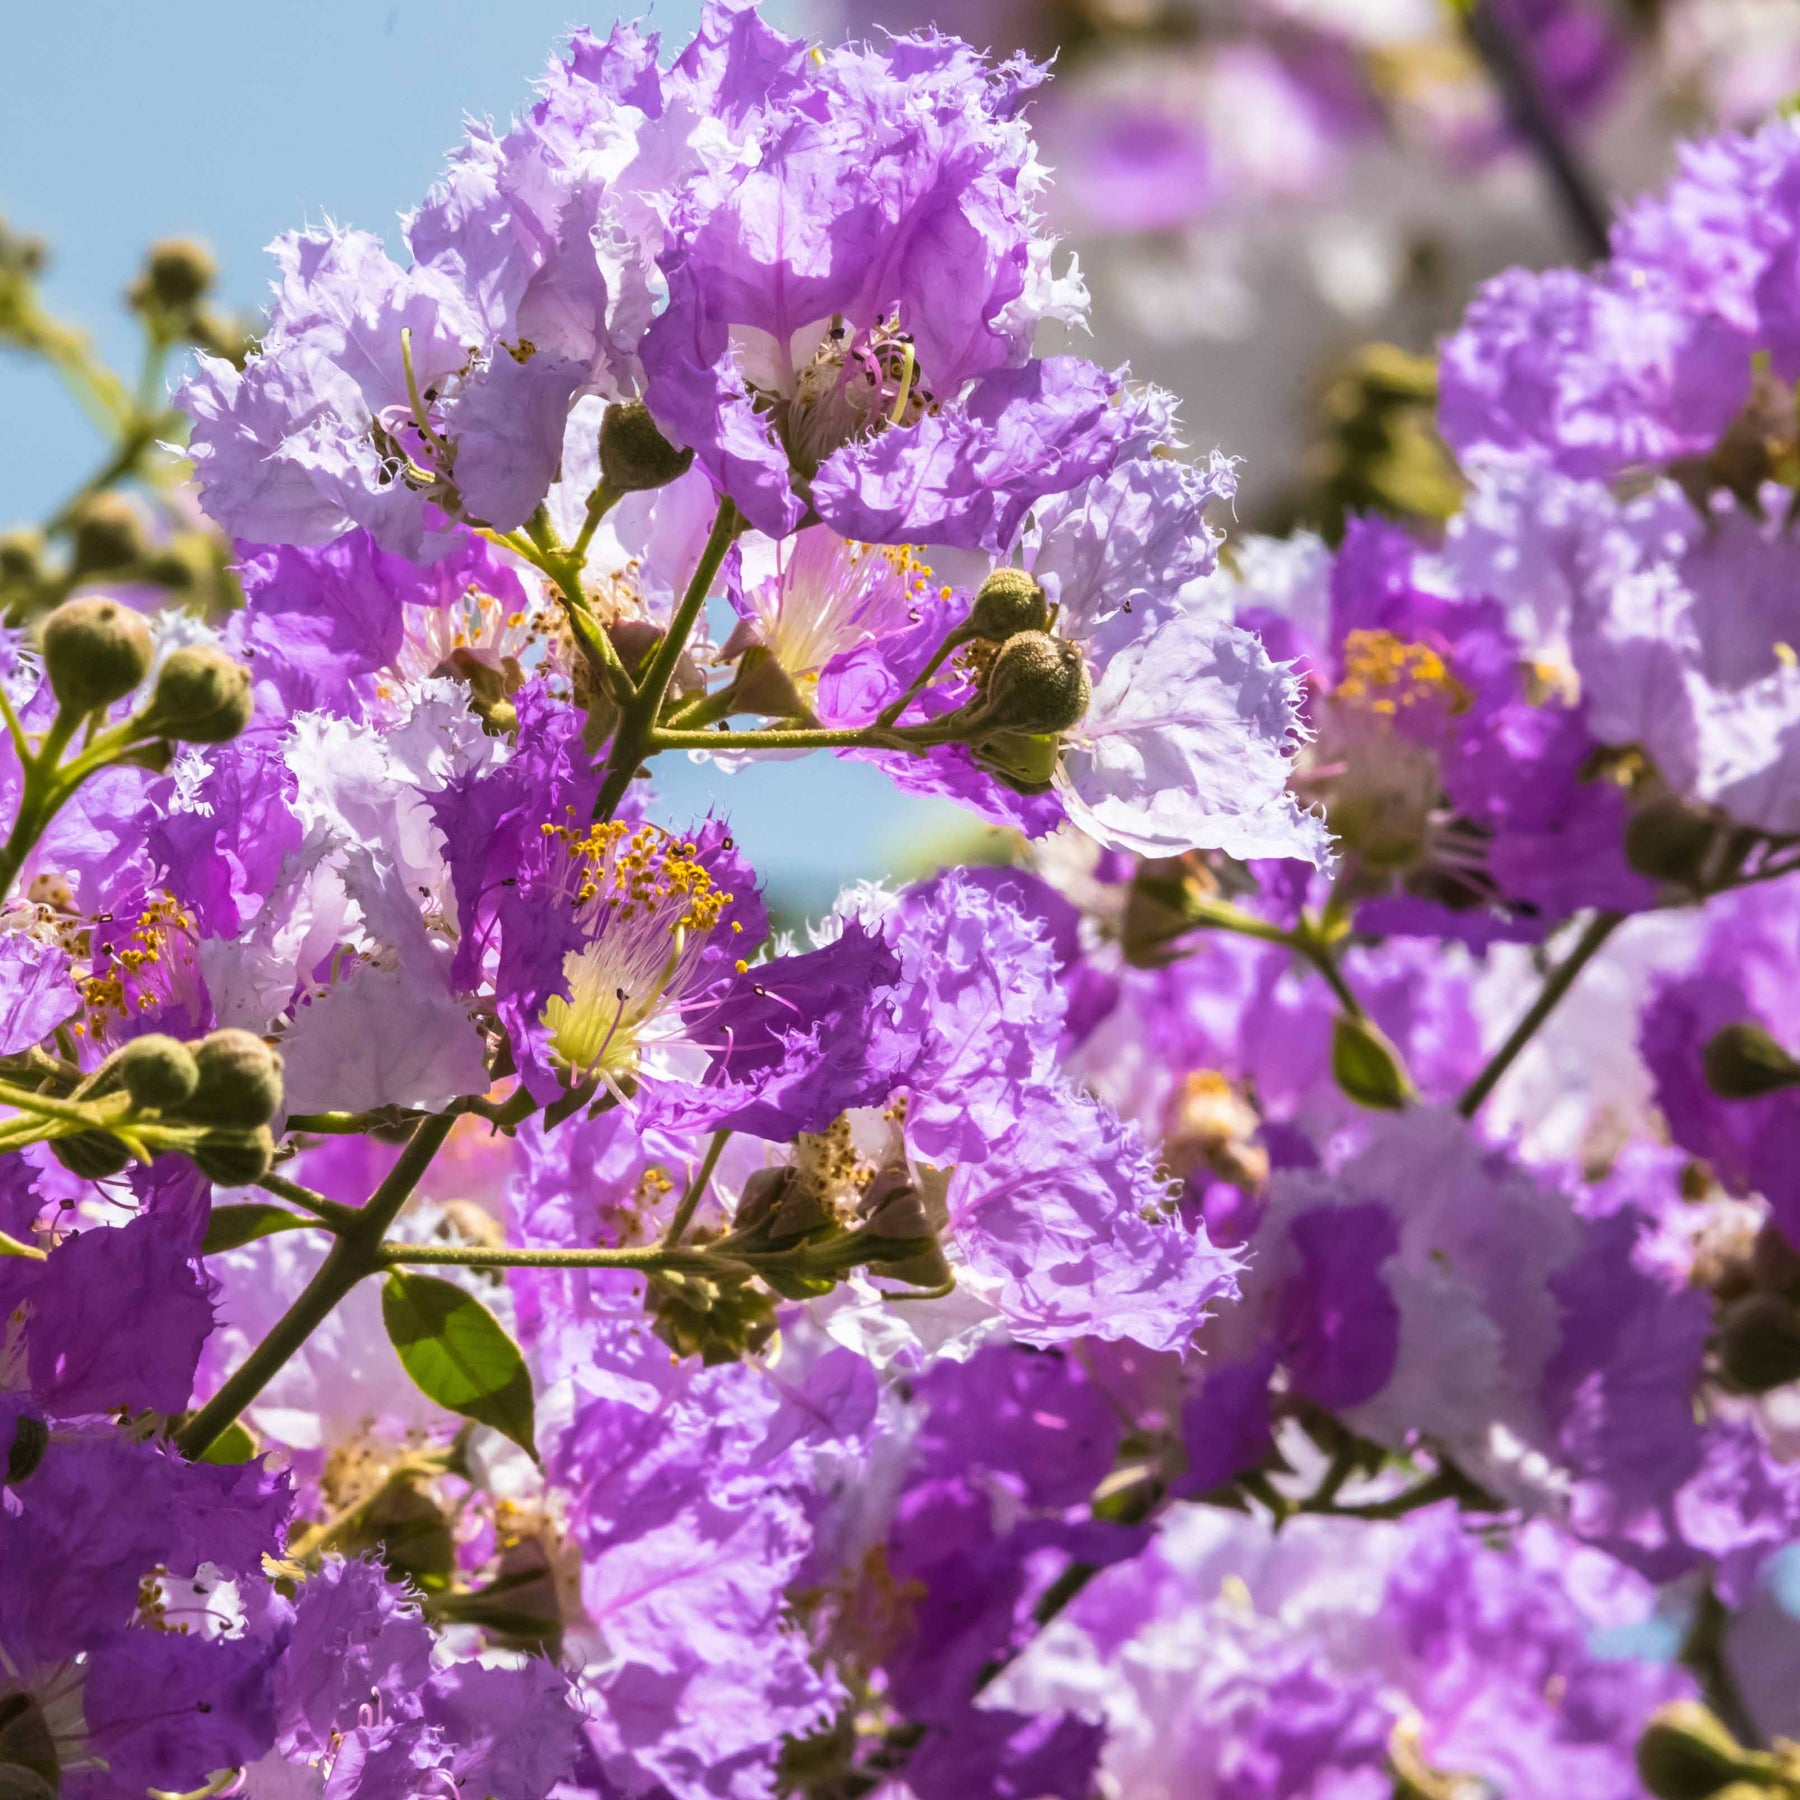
column 648, row 908
column 1387, row 676
column 147, row 967
column 858, row 383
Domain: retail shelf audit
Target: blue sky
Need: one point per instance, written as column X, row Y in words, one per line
column 233, row 123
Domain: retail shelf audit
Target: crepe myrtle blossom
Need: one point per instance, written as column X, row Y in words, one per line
column 1339, row 1655
column 846, row 249
column 851, row 307
column 1081, row 681
column 1648, row 360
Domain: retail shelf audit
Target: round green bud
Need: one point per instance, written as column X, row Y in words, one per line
column 235, row 1158
column 177, row 272
column 1008, row 602
column 1669, row 839
column 634, row 454
column 22, row 556
column 1743, row 1062
column 1686, row 1754
column 95, row 652
column 107, row 533
column 201, row 697
column 238, row 1081
column 1037, row 683
column 1759, row 1345
column 157, row 1071
column 182, row 565
column 30, row 1759
column 31, row 1438
column 1774, row 1262
column 93, row 1155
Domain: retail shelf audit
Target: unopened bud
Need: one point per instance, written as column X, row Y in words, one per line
column 1759, row 1345
column 1686, row 1754
column 235, row 1158
column 177, row 272
column 239, row 1081
column 1008, row 602
column 201, row 697
column 95, row 652
column 1670, row 839
column 1774, row 1262
column 1366, row 1066
column 157, row 1071
column 31, row 1438
column 182, row 565
column 1037, row 684
column 107, row 533
column 634, row 454
column 21, row 556
column 1743, row 1062
column 93, row 1155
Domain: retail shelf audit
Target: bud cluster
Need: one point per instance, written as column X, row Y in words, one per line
column 215, row 1100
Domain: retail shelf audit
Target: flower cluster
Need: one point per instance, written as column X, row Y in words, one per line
column 1282, row 1284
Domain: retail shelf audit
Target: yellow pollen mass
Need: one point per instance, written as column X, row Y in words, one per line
column 1387, row 675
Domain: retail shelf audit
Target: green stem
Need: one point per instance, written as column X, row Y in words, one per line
column 334, row 1215
column 564, row 568
column 475, row 1256
column 690, row 1201
column 1556, row 984
column 1320, row 954
column 356, row 1253
column 633, row 740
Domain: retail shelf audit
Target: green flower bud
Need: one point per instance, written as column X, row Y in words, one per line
column 95, row 652
column 157, row 1071
column 1366, row 1066
column 1759, row 1346
column 1008, row 602
column 201, row 697
column 31, row 1438
column 30, row 1763
column 239, row 1082
column 107, row 533
column 1686, row 1754
column 22, row 556
column 1743, row 1062
column 93, row 1155
column 177, row 272
column 1774, row 1262
column 634, row 454
column 1670, row 839
column 1037, row 684
column 182, row 565
column 235, row 1158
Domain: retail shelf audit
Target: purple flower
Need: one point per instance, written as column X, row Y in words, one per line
column 1071, row 1229
column 111, row 1321
column 851, row 300
column 1743, row 972
column 38, row 992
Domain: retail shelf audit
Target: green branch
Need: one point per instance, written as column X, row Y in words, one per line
column 1556, row 984
column 356, row 1253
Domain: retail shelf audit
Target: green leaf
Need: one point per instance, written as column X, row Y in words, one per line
column 1367, row 1066
column 233, row 1445
column 459, row 1354
column 233, row 1226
